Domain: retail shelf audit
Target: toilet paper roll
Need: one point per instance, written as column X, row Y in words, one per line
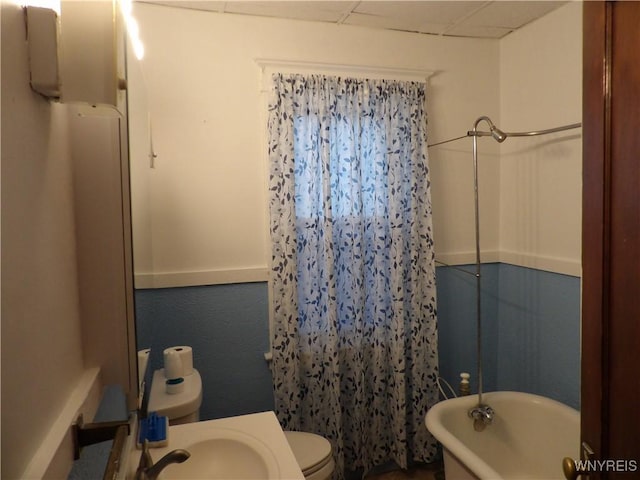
column 173, row 365
column 186, row 355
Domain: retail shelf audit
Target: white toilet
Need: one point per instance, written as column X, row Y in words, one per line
column 313, row 454
column 183, row 407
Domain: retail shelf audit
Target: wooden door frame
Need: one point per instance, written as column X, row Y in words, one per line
column 596, row 165
column 610, row 389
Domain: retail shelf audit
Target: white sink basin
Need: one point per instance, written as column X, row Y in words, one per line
column 225, row 454
column 244, row 447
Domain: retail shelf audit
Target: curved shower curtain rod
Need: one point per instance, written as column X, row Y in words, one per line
column 501, row 136
column 482, row 413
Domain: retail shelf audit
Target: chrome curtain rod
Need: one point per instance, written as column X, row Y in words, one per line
column 482, row 413
column 533, row 133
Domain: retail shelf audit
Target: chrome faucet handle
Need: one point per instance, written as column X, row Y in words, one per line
column 147, row 470
column 488, row 413
column 482, row 416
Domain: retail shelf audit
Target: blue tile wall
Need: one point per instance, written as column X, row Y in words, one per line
column 457, row 337
column 228, row 328
column 538, row 343
column 531, row 334
column 531, row 330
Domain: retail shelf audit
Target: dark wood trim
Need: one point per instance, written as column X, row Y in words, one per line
column 623, row 420
column 611, row 234
column 595, row 148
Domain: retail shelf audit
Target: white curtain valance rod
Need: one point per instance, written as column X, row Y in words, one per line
column 291, row 66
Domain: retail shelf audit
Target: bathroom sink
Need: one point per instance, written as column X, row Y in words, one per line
column 225, row 454
column 244, row 447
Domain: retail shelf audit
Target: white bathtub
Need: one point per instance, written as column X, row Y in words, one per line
column 529, row 437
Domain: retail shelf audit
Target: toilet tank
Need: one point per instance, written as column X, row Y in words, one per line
column 183, row 407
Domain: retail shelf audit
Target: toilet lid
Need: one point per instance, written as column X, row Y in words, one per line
column 311, row 451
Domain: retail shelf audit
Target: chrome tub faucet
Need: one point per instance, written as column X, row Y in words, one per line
column 482, row 416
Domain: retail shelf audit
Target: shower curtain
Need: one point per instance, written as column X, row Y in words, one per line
column 353, row 280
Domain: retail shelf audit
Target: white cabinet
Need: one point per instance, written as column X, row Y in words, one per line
column 75, row 57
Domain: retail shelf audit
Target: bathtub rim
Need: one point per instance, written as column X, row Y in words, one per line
column 456, row 448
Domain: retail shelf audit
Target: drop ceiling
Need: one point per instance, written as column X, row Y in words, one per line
column 477, row 19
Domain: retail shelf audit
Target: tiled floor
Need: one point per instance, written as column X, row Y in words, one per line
column 434, row 471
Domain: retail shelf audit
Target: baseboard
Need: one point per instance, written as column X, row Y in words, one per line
column 210, row 277
column 562, row 266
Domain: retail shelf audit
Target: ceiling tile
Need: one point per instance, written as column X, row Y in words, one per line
column 316, row 11
column 440, row 12
column 511, row 14
column 476, row 18
column 433, row 28
column 477, row 31
column 376, row 21
column 190, row 4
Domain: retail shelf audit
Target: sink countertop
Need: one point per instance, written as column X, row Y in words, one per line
column 263, row 427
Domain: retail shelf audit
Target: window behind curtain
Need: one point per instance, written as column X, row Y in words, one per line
column 354, row 316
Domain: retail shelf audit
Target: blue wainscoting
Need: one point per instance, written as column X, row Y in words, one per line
column 531, row 330
column 457, row 338
column 531, row 334
column 228, row 328
column 538, row 344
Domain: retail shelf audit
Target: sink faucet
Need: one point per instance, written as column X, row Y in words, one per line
column 482, row 416
column 147, row 470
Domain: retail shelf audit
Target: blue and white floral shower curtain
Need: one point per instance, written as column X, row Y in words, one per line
column 353, row 279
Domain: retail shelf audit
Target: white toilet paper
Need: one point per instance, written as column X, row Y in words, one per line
column 186, row 355
column 173, row 365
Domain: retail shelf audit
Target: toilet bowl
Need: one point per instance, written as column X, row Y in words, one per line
column 183, row 407
column 313, row 454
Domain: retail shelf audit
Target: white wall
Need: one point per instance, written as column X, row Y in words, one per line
column 541, row 178
column 41, row 332
column 63, row 302
column 204, row 210
column 207, row 196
